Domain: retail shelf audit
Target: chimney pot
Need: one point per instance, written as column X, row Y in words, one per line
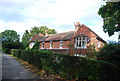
column 77, row 25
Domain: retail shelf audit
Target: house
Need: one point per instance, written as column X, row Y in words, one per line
column 72, row 42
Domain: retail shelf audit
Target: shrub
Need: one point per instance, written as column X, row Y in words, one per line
column 70, row 67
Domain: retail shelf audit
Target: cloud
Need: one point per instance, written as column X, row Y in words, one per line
column 60, row 15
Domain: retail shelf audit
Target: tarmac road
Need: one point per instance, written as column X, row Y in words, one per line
column 12, row 69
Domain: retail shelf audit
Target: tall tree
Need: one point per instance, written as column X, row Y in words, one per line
column 35, row 30
column 42, row 29
column 10, row 36
column 26, row 36
column 111, row 17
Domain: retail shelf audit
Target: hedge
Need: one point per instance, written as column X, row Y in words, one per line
column 69, row 67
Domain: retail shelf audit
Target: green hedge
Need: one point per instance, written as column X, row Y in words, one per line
column 70, row 67
column 15, row 52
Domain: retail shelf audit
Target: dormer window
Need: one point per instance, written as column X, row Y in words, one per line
column 51, row 44
column 61, row 44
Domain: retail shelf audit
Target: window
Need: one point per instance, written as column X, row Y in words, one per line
column 51, row 44
column 61, row 44
column 42, row 44
column 80, row 42
column 98, row 44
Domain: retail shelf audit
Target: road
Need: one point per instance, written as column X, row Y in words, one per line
column 12, row 69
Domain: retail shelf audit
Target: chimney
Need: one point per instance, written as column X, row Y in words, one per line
column 77, row 25
column 46, row 32
column 40, row 34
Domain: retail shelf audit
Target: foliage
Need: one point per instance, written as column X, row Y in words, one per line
column 111, row 17
column 42, row 29
column 7, row 46
column 15, row 52
column 10, row 36
column 110, row 53
column 26, row 38
column 91, row 51
column 36, row 46
column 70, row 67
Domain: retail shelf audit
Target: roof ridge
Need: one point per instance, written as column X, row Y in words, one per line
column 60, row 33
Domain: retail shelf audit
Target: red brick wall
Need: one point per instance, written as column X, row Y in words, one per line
column 84, row 30
column 56, row 44
column 93, row 39
column 66, row 43
column 46, row 44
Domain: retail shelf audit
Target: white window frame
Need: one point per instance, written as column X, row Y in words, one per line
column 79, row 42
column 51, row 45
column 61, row 44
column 98, row 44
column 42, row 45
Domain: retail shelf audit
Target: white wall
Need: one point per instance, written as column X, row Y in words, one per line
column 31, row 44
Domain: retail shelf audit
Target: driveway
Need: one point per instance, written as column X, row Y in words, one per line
column 12, row 69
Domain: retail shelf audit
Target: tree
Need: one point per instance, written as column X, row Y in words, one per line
column 110, row 53
column 42, row 29
column 35, row 30
column 111, row 17
column 26, row 38
column 10, row 36
column 51, row 31
column 36, row 46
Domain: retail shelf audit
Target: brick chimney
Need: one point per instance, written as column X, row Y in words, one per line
column 46, row 32
column 77, row 25
column 40, row 34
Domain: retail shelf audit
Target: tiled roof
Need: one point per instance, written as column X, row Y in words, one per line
column 36, row 37
column 54, row 37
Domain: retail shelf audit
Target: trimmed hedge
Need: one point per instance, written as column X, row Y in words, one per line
column 69, row 67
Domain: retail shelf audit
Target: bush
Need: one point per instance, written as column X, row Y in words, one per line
column 70, row 67
column 15, row 52
column 110, row 53
column 7, row 46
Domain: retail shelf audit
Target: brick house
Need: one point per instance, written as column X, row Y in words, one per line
column 72, row 42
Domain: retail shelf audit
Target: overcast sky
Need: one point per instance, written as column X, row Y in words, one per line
column 60, row 15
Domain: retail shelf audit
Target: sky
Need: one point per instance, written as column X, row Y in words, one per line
column 21, row 15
